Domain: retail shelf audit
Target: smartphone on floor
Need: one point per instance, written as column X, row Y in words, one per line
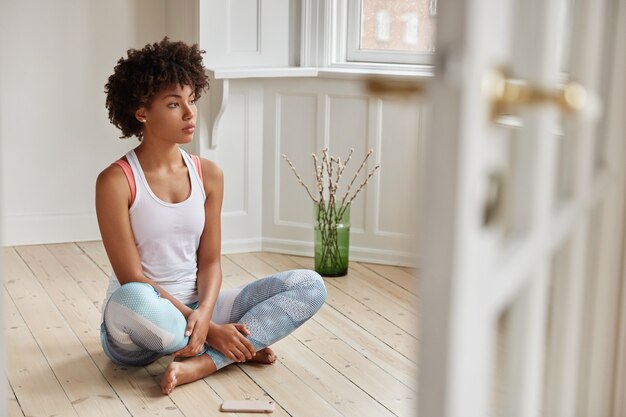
column 248, row 406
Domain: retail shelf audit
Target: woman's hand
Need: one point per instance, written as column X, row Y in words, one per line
column 230, row 340
column 198, row 323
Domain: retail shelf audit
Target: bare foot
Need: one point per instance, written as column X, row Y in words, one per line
column 265, row 356
column 185, row 371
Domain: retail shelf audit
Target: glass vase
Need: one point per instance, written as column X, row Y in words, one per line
column 332, row 239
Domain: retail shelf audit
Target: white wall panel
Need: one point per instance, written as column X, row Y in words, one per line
column 233, row 156
column 239, row 33
column 296, row 132
column 397, row 192
column 244, row 26
column 303, row 115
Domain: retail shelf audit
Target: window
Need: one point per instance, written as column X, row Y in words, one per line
column 390, row 31
column 369, row 35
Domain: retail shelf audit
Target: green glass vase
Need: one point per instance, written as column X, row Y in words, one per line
column 332, row 239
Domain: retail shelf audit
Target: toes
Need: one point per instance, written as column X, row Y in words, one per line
column 270, row 356
column 168, row 383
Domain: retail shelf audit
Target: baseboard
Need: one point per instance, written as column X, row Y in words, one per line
column 241, row 245
column 20, row 230
column 360, row 254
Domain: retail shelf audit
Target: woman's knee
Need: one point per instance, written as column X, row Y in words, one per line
column 315, row 287
column 133, row 296
column 153, row 323
column 318, row 284
column 133, row 290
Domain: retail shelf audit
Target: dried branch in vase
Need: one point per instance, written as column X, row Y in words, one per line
column 332, row 225
column 325, row 184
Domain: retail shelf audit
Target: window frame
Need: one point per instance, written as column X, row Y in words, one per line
column 323, row 43
column 354, row 53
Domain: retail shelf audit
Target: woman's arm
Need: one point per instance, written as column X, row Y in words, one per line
column 210, row 248
column 112, row 202
column 227, row 338
column 209, row 276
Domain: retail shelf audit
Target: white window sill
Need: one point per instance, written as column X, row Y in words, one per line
column 364, row 73
column 347, row 72
column 273, row 72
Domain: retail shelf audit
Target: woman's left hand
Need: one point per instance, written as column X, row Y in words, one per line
column 197, row 329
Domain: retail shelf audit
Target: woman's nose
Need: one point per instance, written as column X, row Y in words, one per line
column 189, row 112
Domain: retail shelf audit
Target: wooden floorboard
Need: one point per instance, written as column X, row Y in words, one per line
column 13, row 407
column 356, row 357
column 402, row 277
column 28, row 370
column 372, row 321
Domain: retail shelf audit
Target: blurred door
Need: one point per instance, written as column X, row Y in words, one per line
column 522, row 214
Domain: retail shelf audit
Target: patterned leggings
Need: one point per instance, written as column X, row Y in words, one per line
column 139, row 326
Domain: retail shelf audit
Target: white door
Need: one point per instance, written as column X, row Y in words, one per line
column 522, row 213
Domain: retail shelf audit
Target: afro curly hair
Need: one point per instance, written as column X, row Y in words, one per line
column 144, row 73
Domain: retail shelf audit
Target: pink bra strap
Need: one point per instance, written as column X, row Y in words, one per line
column 130, row 177
column 196, row 162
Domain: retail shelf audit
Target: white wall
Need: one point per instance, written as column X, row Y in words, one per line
column 54, row 130
column 56, row 138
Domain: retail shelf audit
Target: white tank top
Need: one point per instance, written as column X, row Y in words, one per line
column 167, row 235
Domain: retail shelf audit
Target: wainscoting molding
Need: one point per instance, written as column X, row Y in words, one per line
column 303, row 116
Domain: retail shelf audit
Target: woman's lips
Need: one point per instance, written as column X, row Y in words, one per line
column 189, row 129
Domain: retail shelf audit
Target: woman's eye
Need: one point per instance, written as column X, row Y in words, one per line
column 172, row 105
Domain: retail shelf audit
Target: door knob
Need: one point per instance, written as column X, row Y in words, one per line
column 508, row 94
column 394, row 88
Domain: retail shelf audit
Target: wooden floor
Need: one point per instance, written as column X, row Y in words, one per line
column 356, row 357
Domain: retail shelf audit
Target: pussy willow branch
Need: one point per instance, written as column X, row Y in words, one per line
column 342, row 167
column 319, row 183
column 348, row 158
column 356, row 174
column 339, row 169
column 363, row 184
column 328, row 165
column 299, row 178
column 331, row 165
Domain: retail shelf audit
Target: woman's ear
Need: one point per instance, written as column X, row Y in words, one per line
column 140, row 114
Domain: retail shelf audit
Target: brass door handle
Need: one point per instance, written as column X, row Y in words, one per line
column 508, row 94
column 394, row 88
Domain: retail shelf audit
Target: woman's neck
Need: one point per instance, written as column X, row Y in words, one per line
column 158, row 156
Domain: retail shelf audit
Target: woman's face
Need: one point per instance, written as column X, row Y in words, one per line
column 171, row 116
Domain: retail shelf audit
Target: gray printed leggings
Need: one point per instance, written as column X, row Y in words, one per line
column 139, row 326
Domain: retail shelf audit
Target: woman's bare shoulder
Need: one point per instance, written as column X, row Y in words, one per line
column 212, row 176
column 211, row 170
column 112, row 181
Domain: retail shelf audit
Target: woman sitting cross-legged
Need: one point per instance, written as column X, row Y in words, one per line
column 159, row 213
